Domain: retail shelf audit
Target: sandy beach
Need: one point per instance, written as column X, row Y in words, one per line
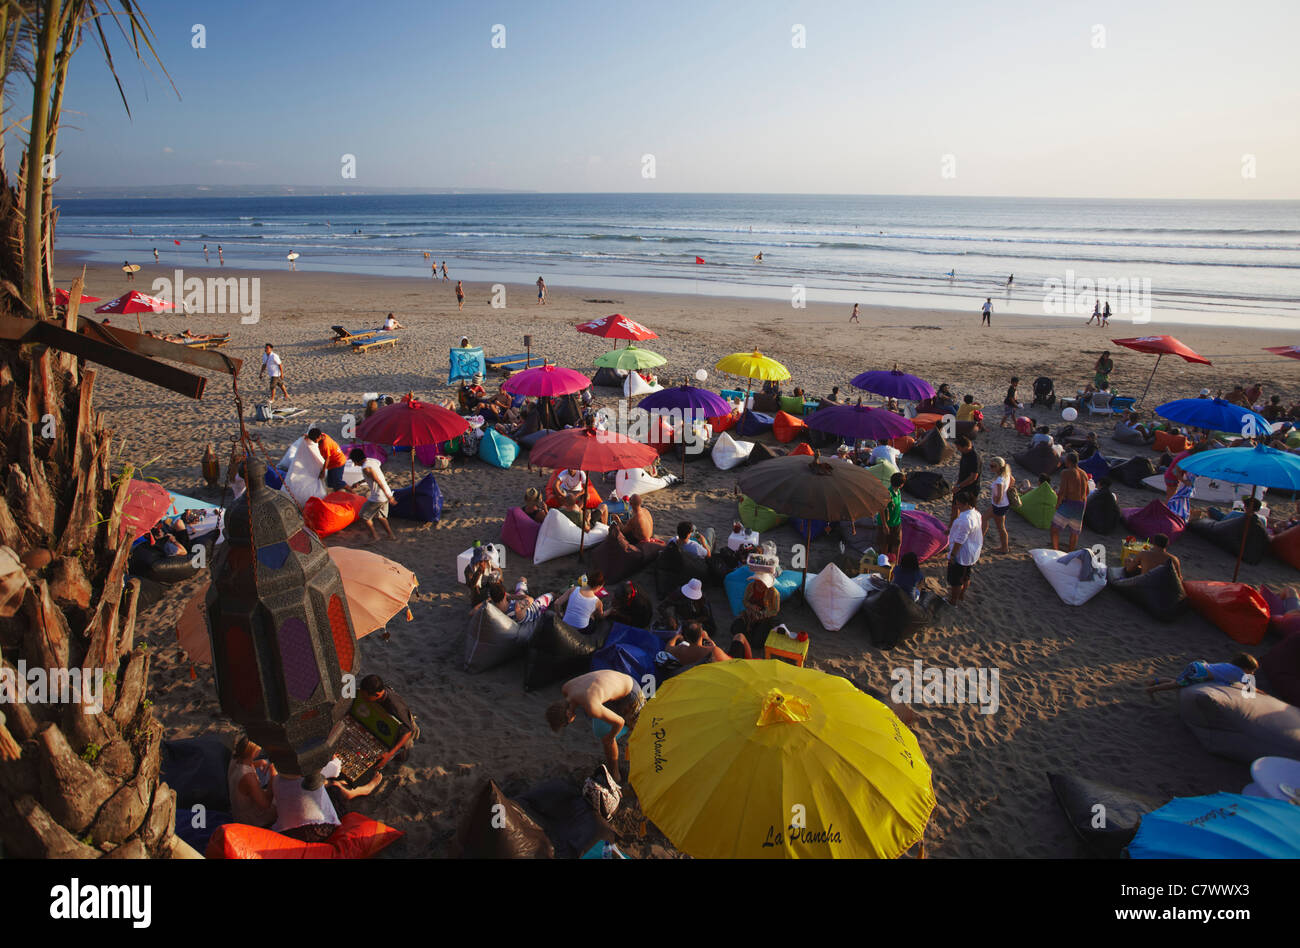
column 1070, row 677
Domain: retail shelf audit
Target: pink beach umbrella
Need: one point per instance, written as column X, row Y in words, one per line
column 546, row 381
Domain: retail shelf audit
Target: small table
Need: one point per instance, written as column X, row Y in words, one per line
column 1130, row 552
column 780, row 645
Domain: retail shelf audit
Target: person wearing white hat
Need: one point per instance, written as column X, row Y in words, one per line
column 690, row 604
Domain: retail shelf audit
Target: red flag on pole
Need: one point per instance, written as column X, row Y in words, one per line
column 699, row 259
column 176, row 242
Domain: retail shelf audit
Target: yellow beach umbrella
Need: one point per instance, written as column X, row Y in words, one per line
column 760, row 759
column 753, row 365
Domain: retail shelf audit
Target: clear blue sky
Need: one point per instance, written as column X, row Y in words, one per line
column 1014, row 90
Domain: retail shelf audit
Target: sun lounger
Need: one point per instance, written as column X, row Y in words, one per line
column 378, row 342
column 513, row 363
column 342, row 335
column 213, row 342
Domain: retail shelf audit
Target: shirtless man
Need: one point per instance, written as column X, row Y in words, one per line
column 639, row 526
column 694, row 647
column 606, row 695
column 1154, row 558
column 1071, row 500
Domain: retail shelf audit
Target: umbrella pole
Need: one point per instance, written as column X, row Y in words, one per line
column 1245, row 530
column 807, row 553
column 139, row 324
column 1153, row 375
column 412, row 469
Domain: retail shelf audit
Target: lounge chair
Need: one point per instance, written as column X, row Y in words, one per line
column 514, row 363
column 341, row 335
column 212, row 342
column 376, row 342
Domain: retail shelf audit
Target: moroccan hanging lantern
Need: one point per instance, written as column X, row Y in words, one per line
column 282, row 636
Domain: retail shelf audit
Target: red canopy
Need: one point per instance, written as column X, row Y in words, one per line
column 410, row 423
column 1291, row 352
column 61, row 297
column 145, row 505
column 134, row 302
column 546, row 380
column 617, row 326
column 585, row 449
column 1161, row 345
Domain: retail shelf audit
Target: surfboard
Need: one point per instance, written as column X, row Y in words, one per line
column 292, row 256
column 131, row 268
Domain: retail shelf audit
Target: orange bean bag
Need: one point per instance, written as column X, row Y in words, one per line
column 553, row 494
column 803, row 447
column 903, row 443
column 357, row 837
column 1286, row 546
column 723, row 422
column 1237, row 609
column 786, row 427
column 926, row 420
column 333, row 512
column 1173, row 443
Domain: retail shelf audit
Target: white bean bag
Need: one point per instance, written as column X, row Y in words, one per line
column 629, row 482
column 634, row 385
column 835, row 597
column 303, row 480
column 560, row 536
column 1067, row 579
column 729, row 453
column 885, row 452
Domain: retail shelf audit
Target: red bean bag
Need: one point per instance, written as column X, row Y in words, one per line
column 723, row 422
column 1155, row 517
column 1285, row 625
column 802, row 448
column 904, row 443
column 356, row 837
column 333, row 512
column 519, row 532
column 786, row 427
column 553, row 495
column 1286, row 546
column 1237, row 609
column 1280, row 669
column 1171, row 442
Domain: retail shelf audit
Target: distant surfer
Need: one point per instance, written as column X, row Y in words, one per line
column 758, row 257
column 293, row 262
column 220, row 257
column 205, row 253
column 952, row 274
column 155, row 254
column 853, row 316
column 129, row 271
column 987, row 310
column 1011, row 279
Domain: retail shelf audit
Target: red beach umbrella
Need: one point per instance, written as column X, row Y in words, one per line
column 1160, row 346
column 145, row 505
column 411, row 423
column 1291, row 352
column 546, row 380
column 135, row 302
column 61, row 297
column 617, row 326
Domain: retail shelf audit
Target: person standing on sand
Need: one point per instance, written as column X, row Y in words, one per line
column 853, row 316
column 444, row 272
column 987, row 310
column 130, row 274
column 608, row 696
column 1105, row 314
column 1070, row 502
column 460, row 295
column 1096, row 313
column 220, row 256
column 377, row 501
column 541, row 292
column 1010, row 403
column 205, row 253
column 965, row 541
column 273, row 366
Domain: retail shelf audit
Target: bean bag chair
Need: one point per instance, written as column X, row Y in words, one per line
column 333, row 512
column 553, row 493
column 1160, row 592
column 724, row 422
column 891, row 616
column 559, row 536
column 1076, row 581
column 762, row 452
column 1079, row 798
column 755, row 423
column 674, row 566
column 1130, row 473
column 967, row 429
column 1095, row 466
column 196, row 769
column 786, row 427
column 763, row 402
column 1171, row 442
column 558, row 652
column 903, row 443
column 802, row 448
column 1226, row 535
column 1279, row 669
column 1280, row 599
column 569, row 821
column 637, row 481
column 496, row 449
column 496, row 827
column 926, row 485
column 729, row 453
column 531, row 438
column 1230, row 724
column 609, row 378
column 759, row 518
column 809, row 529
column 923, row 534
column 634, row 386
column 519, row 532
column 792, row 405
column 1102, row 514
column 423, row 503
column 428, row 454
column 1040, row 459
column 884, row 471
column 148, row 562
column 735, row 583
column 834, row 597
column 629, row 650
column 492, row 638
column 1286, row 546
column 617, row 558
column 933, row 447
column 1125, row 434
column 1038, row 506
column 1155, row 517
column 1024, row 425
column 1237, row 609
column 356, row 837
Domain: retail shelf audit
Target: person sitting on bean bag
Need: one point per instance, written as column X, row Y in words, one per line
column 1155, row 557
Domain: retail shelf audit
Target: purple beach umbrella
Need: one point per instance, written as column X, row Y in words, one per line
column 894, row 384
column 695, row 404
column 859, row 422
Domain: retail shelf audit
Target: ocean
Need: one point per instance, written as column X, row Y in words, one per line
column 1216, row 262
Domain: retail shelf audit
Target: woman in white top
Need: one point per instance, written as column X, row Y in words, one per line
column 250, row 802
column 580, row 606
column 1000, row 501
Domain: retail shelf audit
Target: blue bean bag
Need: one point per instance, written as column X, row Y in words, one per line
column 497, row 449
column 1095, row 466
column 755, row 422
column 801, row 527
column 424, row 504
column 629, row 650
column 736, row 581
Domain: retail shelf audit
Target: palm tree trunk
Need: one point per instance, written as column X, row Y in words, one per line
column 37, row 141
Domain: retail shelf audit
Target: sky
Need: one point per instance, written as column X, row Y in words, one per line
column 1116, row 98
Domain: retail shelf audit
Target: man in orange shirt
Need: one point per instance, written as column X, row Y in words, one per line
column 335, row 459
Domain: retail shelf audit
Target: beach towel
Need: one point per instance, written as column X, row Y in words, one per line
column 1238, row 610
column 729, row 453
column 926, row 485
column 834, row 597
column 1155, row 517
column 735, row 583
column 558, row 652
column 1079, row 800
column 1279, row 669
column 422, row 504
column 786, row 427
column 1230, row 724
column 1226, row 535
column 1074, row 580
column 1102, row 512
column 759, row 518
column 493, row 638
column 333, row 512
column 496, row 449
column 1180, row 505
column 891, row 616
column 1286, row 546
column 496, row 827
column 1159, row 593
column 933, row 447
column 1040, row 459
column 519, row 532
column 1038, row 506
column 465, row 364
column 560, row 536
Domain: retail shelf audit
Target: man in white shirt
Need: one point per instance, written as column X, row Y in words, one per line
column 377, row 501
column 965, row 541
column 273, row 366
column 572, row 483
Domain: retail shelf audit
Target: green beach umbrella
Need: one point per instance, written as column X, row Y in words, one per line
column 629, row 359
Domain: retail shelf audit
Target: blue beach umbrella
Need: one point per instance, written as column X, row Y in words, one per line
column 1215, row 414
column 1219, row 826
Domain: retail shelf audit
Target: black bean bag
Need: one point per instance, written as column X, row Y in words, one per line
column 617, row 558
column 492, row 638
column 569, row 821
column 557, row 652
column 530, row 439
column 496, row 827
column 1279, row 669
column 197, row 768
column 1126, row 435
column 766, row 404
column 1040, row 459
column 608, row 378
column 926, row 485
column 1226, row 535
column 762, row 452
column 673, row 567
column 933, row 447
column 1102, row 513
column 1123, row 811
column 696, row 451
column 890, row 615
column 967, row 429
column 1133, row 472
column 1159, row 592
